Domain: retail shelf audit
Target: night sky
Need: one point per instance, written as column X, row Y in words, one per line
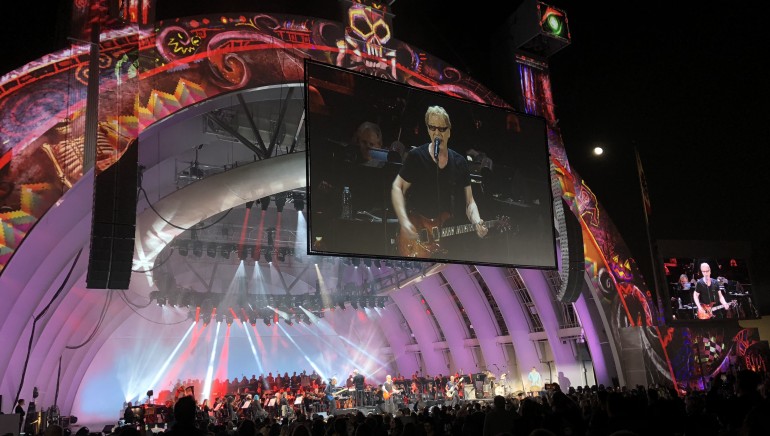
column 682, row 81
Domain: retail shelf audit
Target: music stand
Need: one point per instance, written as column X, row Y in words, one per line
column 271, row 402
column 298, row 400
column 246, row 404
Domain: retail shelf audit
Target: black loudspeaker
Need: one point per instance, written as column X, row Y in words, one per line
column 107, row 429
column 113, row 225
column 575, row 261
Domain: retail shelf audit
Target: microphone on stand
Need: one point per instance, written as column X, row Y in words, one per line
column 436, row 144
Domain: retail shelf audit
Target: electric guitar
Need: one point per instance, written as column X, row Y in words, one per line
column 386, row 395
column 430, row 233
column 708, row 309
column 451, row 392
column 334, row 395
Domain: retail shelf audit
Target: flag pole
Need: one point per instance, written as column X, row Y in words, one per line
column 645, row 197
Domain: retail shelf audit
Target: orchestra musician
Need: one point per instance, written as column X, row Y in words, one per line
column 359, row 385
column 281, row 405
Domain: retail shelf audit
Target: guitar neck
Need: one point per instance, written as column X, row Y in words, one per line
column 464, row 228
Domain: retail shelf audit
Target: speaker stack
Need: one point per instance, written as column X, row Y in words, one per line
column 113, row 224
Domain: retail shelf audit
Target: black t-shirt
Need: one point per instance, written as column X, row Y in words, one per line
column 358, row 382
column 707, row 294
column 428, row 194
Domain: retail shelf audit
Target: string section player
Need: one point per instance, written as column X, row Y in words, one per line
column 431, row 185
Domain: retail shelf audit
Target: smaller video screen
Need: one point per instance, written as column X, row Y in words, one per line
column 709, row 289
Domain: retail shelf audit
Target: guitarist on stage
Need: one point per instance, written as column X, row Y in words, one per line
column 436, row 178
column 707, row 295
column 330, row 391
column 452, row 392
column 388, row 391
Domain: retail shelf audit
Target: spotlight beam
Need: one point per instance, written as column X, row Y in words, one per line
column 170, row 357
column 253, row 348
column 310, row 361
column 210, row 370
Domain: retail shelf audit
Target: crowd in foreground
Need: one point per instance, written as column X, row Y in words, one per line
column 737, row 405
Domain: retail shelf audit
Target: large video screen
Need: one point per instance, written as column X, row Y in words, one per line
column 400, row 172
column 704, row 289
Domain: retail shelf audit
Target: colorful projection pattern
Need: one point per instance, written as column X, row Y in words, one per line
column 146, row 76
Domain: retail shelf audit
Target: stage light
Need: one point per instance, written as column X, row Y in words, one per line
column 298, row 200
column 354, row 303
column 280, row 201
column 249, row 204
column 211, row 250
column 381, row 302
column 341, row 303
column 183, row 247
column 197, row 248
column 229, row 320
column 289, row 322
column 554, row 22
column 368, row 262
column 378, row 264
column 225, row 251
column 266, row 321
column 598, row 151
column 282, row 254
column 268, row 253
column 188, row 299
column 264, row 203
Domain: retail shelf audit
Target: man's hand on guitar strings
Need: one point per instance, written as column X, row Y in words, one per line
column 410, row 231
column 481, row 229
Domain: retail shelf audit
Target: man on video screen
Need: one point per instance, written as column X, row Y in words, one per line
column 432, row 184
